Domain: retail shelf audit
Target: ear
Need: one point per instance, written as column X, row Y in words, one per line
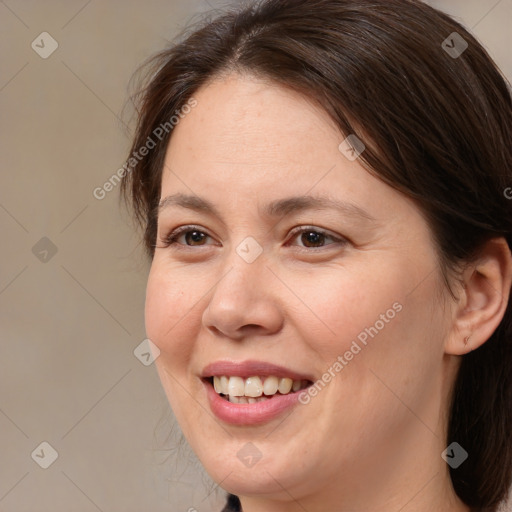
column 484, row 296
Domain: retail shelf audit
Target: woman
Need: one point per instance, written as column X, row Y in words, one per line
column 324, row 202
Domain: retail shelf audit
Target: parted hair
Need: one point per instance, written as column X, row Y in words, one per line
column 436, row 120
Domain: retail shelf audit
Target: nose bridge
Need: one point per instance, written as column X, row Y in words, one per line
column 244, row 272
column 242, row 296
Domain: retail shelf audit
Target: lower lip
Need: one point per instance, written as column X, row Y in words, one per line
column 249, row 414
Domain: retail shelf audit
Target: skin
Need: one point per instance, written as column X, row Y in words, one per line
column 372, row 439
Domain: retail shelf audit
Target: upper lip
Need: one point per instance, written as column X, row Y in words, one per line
column 250, row 368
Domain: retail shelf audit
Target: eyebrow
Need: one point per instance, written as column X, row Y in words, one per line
column 277, row 208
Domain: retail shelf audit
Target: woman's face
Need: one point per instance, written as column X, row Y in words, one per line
column 345, row 296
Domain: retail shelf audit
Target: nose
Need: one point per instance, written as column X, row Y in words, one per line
column 244, row 301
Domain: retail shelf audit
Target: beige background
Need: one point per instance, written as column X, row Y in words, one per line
column 69, row 325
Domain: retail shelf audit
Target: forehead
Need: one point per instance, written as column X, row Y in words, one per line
column 248, row 141
column 246, row 121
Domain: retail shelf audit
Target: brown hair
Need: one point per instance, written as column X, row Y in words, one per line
column 437, row 127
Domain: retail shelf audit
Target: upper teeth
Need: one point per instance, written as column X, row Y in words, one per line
column 255, row 386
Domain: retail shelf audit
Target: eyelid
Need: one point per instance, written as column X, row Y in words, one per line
column 322, row 231
column 170, row 239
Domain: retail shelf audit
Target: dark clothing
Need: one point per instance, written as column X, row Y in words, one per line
column 233, row 504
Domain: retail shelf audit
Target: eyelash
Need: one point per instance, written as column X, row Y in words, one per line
column 171, row 238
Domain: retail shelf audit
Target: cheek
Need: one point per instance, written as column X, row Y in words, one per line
column 391, row 343
column 170, row 314
column 380, row 324
column 348, row 305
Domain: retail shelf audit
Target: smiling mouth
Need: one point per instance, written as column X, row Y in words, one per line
column 255, row 389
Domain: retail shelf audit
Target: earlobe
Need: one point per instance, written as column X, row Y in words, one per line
column 485, row 293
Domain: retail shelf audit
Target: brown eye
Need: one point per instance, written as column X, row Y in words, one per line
column 187, row 236
column 312, row 238
column 194, row 236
